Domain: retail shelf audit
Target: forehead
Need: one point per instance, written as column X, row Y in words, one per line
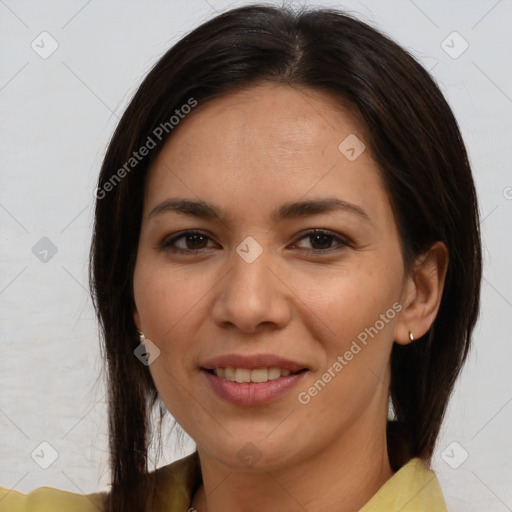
column 267, row 144
column 282, row 117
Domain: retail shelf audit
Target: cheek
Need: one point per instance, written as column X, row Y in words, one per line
column 350, row 300
column 167, row 302
column 169, row 306
column 354, row 311
column 354, row 315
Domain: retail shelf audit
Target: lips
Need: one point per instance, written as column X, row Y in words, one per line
column 252, row 380
column 253, row 362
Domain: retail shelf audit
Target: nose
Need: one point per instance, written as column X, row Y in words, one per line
column 253, row 295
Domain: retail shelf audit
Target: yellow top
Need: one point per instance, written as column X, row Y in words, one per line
column 413, row 488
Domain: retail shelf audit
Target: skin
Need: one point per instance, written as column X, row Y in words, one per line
column 249, row 152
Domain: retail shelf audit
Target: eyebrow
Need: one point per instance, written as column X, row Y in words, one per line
column 286, row 211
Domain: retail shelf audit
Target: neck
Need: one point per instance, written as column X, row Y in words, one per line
column 342, row 477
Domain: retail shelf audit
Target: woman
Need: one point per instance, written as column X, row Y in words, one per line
column 286, row 257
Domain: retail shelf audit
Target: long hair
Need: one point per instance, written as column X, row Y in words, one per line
column 411, row 134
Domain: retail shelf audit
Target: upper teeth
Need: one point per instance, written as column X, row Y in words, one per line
column 246, row 375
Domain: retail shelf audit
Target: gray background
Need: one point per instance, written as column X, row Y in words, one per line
column 57, row 114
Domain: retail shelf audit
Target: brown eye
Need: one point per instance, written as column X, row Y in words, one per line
column 188, row 241
column 321, row 241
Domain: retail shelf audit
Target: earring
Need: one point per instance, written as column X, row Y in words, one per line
column 411, row 336
column 142, row 338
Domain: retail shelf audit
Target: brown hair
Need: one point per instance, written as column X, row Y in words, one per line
column 412, row 135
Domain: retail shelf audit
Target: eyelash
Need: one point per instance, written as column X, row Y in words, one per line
column 167, row 243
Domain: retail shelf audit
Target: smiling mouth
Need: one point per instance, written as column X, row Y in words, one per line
column 257, row 375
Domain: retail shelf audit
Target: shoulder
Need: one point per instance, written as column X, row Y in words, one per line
column 413, row 488
column 173, row 487
column 48, row 499
column 175, row 484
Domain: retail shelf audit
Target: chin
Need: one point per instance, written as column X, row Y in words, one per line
column 252, row 454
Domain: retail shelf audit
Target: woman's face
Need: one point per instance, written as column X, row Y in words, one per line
column 253, row 290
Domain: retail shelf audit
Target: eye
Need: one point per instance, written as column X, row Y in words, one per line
column 190, row 241
column 196, row 241
column 323, row 240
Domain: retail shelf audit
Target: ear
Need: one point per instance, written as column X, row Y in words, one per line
column 422, row 293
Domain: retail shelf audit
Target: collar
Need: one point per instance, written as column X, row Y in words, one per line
column 413, row 488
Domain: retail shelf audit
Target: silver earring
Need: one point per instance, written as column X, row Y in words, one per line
column 411, row 336
column 142, row 338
